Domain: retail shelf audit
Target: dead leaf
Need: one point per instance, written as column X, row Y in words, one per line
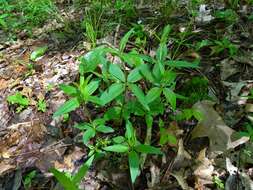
column 213, row 127
column 204, row 169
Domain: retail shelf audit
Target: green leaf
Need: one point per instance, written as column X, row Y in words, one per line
column 88, row 134
column 69, row 90
column 140, row 95
column 145, row 71
column 38, row 53
column 92, row 86
column 63, row 180
column 77, row 178
column 166, row 32
column 130, row 133
column 147, row 149
column 67, row 107
column 170, row 97
column 153, row 94
column 112, row 92
column 119, row 139
column 161, row 52
column 182, row 64
column 95, row 100
column 134, row 162
column 134, row 75
column 104, row 129
column 124, row 40
column 115, row 71
column 83, row 126
column 116, row 148
column 18, row 98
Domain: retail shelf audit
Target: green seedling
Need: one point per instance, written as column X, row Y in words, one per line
column 224, row 44
column 38, row 53
column 97, row 125
column 71, row 182
column 19, row 100
column 132, row 147
column 42, row 105
column 248, row 132
column 28, row 179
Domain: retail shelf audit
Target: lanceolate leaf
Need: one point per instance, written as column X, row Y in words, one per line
column 147, row 149
column 166, row 32
column 112, row 92
column 69, row 90
column 139, row 95
column 133, row 160
column 38, row 52
column 116, row 148
column 171, row 97
column 92, row 86
column 83, row 170
column 153, row 94
column 124, row 40
column 64, row 180
column 104, row 129
column 115, row 71
column 67, row 107
column 134, row 75
column 88, row 134
column 182, row 64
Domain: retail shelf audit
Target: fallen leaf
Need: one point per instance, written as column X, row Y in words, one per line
column 213, row 127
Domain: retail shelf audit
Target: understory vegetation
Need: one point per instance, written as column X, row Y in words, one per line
column 158, row 95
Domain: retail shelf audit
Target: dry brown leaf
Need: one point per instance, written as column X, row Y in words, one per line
column 213, row 127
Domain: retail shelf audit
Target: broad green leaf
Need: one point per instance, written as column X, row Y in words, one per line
column 69, row 90
column 165, row 34
column 77, row 178
column 83, row 126
column 18, row 98
column 161, row 52
column 134, row 162
column 130, row 133
column 104, row 129
column 134, row 75
column 112, row 92
column 64, row 180
column 113, row 113
column 119, row 139
column 197, row 114
column 92, row 86
column 132, row 58
column 115, row 71
column 169, row 77
column 145, row 71
column 38, row 53
column 92, row 59
column 95, row 100
column 147, row 149
column 116, row 148
column 153, row 94
column 139, row 95
column 88, row 134
column 124, row 40
column 67, row 107
column 170, row 97
column 182, row 64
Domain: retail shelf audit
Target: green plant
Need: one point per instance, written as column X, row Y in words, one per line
column 218, row 182
column 248, row 132
column 132, row 147
column 19, row 100
column 27, row 181
column 71, row 182
column 143, row 91
column 224, row 44
column 42, row 105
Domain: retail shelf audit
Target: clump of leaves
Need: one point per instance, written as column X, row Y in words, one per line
column 139, row 86
column 21, row 101
column 195, row 89
column 248, row 131
column 42, row 105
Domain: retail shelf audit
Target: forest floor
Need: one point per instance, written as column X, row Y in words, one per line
column 207, row 155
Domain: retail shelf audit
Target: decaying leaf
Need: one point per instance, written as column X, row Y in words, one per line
column 213, row 127
column 204, row 169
